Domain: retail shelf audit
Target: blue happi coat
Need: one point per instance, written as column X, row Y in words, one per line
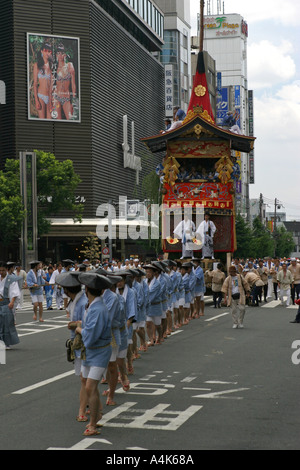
column 96, row 334
column 140, row 299
column 35, row 279
column 112, row 302
column 154, row 305
column 200, row 284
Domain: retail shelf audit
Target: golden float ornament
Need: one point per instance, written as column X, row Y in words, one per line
column 197, row 242
column 200, row 90
column 172, row 241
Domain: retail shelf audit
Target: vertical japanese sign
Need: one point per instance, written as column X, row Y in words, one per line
column 169, row 97
column 251, row 133
column 237, row 103
column 29, row 198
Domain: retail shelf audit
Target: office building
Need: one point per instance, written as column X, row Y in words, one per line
column 175, row 53
column 111, row 45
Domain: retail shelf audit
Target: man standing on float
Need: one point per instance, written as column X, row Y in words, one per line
column 185, row 231
column 206, row 231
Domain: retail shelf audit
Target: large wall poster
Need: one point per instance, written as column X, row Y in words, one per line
column 53, row 71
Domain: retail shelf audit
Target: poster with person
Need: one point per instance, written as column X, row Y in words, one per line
column 53, row 71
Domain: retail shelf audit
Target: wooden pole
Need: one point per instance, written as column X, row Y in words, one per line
column 201, row 33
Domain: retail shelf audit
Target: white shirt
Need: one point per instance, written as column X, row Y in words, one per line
column 53, row 277
column 185, row 226
column 13, row 290
column 203, row 228
column 235, row 285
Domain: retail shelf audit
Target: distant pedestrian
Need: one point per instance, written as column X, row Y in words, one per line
column 235, row 289
column 217, row 277
column 9, row 292
column 22, row 284
column 285, row 281
column 48, row 289
column 35, row 283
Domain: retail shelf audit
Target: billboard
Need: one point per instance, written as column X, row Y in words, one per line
column 222, row 105
column 53, row 78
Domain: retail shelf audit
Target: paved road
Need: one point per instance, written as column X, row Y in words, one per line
column 207, row 387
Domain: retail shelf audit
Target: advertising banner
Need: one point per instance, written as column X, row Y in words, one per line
column 222, row 105
column 53, row 76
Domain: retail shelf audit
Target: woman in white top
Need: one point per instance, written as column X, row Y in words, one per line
column 9, row 292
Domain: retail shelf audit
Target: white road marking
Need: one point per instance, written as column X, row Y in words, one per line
column 170, row 420
column 34, row 327
column 220, row 394
column 147, row 389
column 83, row 445
column 196, row 388
column 43, row 383
column 217, row 316
column 148, row 377
column 220, row 382
column 188, row 379
column 272, row 304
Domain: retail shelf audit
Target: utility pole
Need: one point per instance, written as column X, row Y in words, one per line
column 277, row 205
column 261, row 202
column 201, row 33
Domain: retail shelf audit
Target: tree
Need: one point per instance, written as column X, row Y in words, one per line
column 284, row 242
column 11, row 208
column 56, row 186
column 91, row 249
column 262, row 244
column 243, row 237
column 151, row 192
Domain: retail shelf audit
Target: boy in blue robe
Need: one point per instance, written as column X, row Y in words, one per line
column 124, row 289
column 112, row 302
column 96, row 335
column 154, row 305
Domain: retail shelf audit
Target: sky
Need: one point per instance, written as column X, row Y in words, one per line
column 274, row 76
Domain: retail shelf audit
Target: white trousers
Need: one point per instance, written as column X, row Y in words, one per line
column 285, row 292
column 237, row 312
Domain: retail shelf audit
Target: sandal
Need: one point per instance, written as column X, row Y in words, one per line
column 110, row 402
column 130, row 370
column 81, row 419
column 126, row 385
column 105, row 393
column 91, row 432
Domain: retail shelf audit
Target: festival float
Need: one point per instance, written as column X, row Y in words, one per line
column 199, row 170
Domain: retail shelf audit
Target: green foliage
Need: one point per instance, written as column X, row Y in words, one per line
column 151, row 192
column 284, row 242
column 151, row 188
column 56, row 185
column 258, row 242
column 91, row 248
column 262, row 243
column 243, row 236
